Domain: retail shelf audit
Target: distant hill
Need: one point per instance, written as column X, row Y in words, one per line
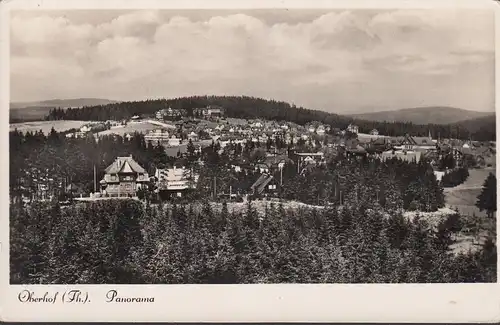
column 74, row 102
column 35, row 111
column 246, row 107
column 424, row 115
column 443, row 121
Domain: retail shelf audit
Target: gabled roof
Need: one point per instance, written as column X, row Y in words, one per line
column 261, row 183
column 417, row 140
column 408, row 140
column 126, row 168
column 124, row 165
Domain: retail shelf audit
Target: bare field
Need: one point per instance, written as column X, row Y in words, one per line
column 46, row 126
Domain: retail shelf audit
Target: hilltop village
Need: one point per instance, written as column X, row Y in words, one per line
column 257, row 150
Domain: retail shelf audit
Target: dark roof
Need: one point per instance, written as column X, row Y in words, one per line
column 124, row 164
column 380, row 141
column 483, row 151
column 261, row 183
column 358, row 149
column 418, row 140
column 351, row 143
column 465, row 151
column 274, row 160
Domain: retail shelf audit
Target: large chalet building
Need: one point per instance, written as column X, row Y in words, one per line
column 417, row 143
column 124, row 177
column 174, row 182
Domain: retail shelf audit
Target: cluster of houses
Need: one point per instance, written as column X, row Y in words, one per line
column 211, row 112
column 258, row 131
column 125, row 177
column 409, row 148
column 92, row 127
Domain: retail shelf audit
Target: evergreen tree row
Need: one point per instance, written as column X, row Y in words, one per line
column 127, row 242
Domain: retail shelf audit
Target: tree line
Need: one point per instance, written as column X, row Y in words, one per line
column 127, row 242
column 254, row 108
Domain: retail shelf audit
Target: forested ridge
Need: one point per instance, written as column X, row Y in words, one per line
column 251, row 107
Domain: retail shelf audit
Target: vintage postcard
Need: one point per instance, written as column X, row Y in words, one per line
column 249, row 161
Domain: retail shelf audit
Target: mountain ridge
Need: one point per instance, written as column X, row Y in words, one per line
column 70, row 102
column 37, row 110
column 423, row 115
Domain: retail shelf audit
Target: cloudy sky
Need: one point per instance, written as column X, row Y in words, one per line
column 339, row 61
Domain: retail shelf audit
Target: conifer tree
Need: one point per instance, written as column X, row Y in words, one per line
column 487, row 199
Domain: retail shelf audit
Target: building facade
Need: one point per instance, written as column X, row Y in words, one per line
column 174, row 182
column 124, row 177
column 157, row 137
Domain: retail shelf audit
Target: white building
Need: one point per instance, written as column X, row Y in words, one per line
column 85, row 128
column 157, row 137
column 176, row 180
column 174, row 141
column 353, row 128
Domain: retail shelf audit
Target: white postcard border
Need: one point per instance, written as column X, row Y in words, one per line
column 238, row 303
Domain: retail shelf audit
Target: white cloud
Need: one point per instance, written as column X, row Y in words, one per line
column 141, row 54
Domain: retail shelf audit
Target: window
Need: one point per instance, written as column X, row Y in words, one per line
column 272, row 187
column 179, row 194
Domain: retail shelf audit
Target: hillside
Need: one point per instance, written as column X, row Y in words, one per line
column 74, row 102
column 36, row 111
column 246, row 107
column 480, row 128
column 424, row 115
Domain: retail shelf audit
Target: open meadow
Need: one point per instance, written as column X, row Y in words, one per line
column 464, row 196
column 46, row 126
column 141, row 127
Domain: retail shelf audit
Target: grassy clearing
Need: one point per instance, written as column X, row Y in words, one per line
column 462, row 198
column 131, row 128
column 46, row 126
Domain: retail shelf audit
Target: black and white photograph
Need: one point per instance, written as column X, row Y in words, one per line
column 252, row 146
